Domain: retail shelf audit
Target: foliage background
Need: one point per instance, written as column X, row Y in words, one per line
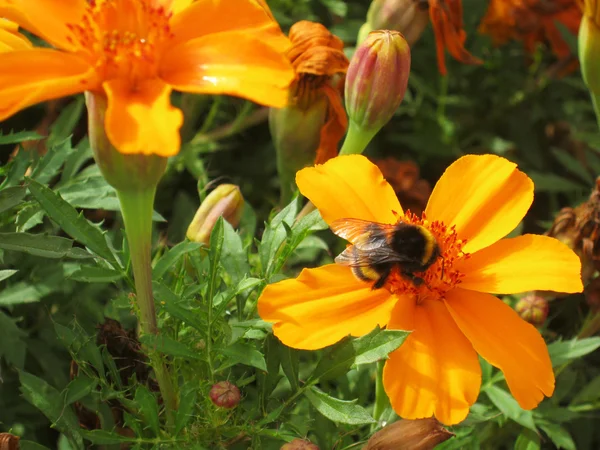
column 512, row 105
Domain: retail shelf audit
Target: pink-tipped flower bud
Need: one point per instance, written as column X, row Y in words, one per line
column 299, row 444
column 225, row 395
column 409, row 17
column 533, row 308
column 376, row 82
column 227, row 201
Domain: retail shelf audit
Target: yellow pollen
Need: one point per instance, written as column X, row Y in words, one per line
column 442, row 275
column 124, row 39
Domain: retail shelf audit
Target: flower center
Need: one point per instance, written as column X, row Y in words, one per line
column 123, row 38
column 442, row 275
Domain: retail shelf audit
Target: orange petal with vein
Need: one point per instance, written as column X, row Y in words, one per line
column 250, row 17
column 506, row 341
column 521, row 264
column 142, row 121
column 47, row 19
column 485, row 197
column 349, row 187
column 229, row 63
column 334, row 129
column 31, row 76
column 436, row 371
column 322, row 306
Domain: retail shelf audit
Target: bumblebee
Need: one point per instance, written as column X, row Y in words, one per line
column 377, row 248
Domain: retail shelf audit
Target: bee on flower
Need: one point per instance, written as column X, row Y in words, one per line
column 437, row 281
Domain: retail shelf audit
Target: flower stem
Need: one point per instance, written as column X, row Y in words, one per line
column 381, row 399
column 356, row 140
column 596, row 103
column 137, row 207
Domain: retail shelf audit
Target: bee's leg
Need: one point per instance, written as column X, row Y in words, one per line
column 382, row 279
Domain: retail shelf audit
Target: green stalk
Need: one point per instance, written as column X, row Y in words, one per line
column 596, row 103
column 137, row 207
column 356, row 140
column 381, row 399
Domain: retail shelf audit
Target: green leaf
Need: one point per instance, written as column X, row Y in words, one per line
column 101, row 437
column 589, row 393
column 509, row 407
column 52, row 161
column 233, row 258
column 81, row 345
column 170, row 258
column 527, row 440
column 12, row 344
column 274, row 235
column 169, row 301
column 21, row 293
column 290, row 365
column 17, row 138
column 49, row 401
column 562, row 352
column 36, row 244
column 76, row 160
column 73, row 223
column 30, row 445
column 559, row 436
column 338, row 410
column 96, row 274
column 17, row 168
column 188, row 396
column 372, row 347
column 241, row 353
column 550, row 182
column 11, row 196
column 79, row 388
column 247, row 283
column 148, row 408
column 68, row 119
column 168, row 346
column 4, row 274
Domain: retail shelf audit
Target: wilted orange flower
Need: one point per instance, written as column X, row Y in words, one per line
column 452, row 316
column 136, row 51
column 532, row 22
column 320, row 64
column 446, row 18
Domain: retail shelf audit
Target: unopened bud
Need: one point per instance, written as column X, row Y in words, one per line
column 227, row 201
column 225, row 395
column 299, row 444
column 420, row 434
column 533, row 308
column 9, row 441
column 589, row 45
column 376, row 82
column 409, row 17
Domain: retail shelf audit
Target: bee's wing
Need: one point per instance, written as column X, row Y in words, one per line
column 364, row 235
column 355, row 257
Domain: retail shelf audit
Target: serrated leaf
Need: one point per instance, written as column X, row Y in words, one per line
column 168, row 346
column 96, row 274
column 36, row 244
column 50, row 164
column 79, row 388
column 17, row 168
column 148, row 408
column 66, row 122
column 510, row 408
column 186, row 406
column 81, row 345
column 11, row 196
column 559, row 436
column 274, row 235
column 73, row 223
column 49, row 401
column 527, row 440
column 338, row 410
column 170, row 258
column 564, row 351
column 241, row 353
column 21, row 136
column 233, row 258
column 169, row 301
column 101, row 437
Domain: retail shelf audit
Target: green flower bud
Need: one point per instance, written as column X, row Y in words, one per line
column 376, row 82
column 227, row 201
column 589, row 50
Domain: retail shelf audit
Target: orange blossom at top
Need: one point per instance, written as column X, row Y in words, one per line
column 452, row 314
column 136, row 52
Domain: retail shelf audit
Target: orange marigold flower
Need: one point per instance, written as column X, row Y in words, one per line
column 452, row 315
column 446, row 18
column 136, row 51
column 532, row 22
column 320, row 64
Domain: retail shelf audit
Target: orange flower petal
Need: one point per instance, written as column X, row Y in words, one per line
column 142, row 120
column 436, row 370
column 31, row 76
column 206, row 17
column 349, row 187
column 506, row 341
column 322, row 306
column 11, row 39
column 176, row 6
column 525, row 263
column 47, row 19
column 229, row 63
column 335, row 127
column 485, row 197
